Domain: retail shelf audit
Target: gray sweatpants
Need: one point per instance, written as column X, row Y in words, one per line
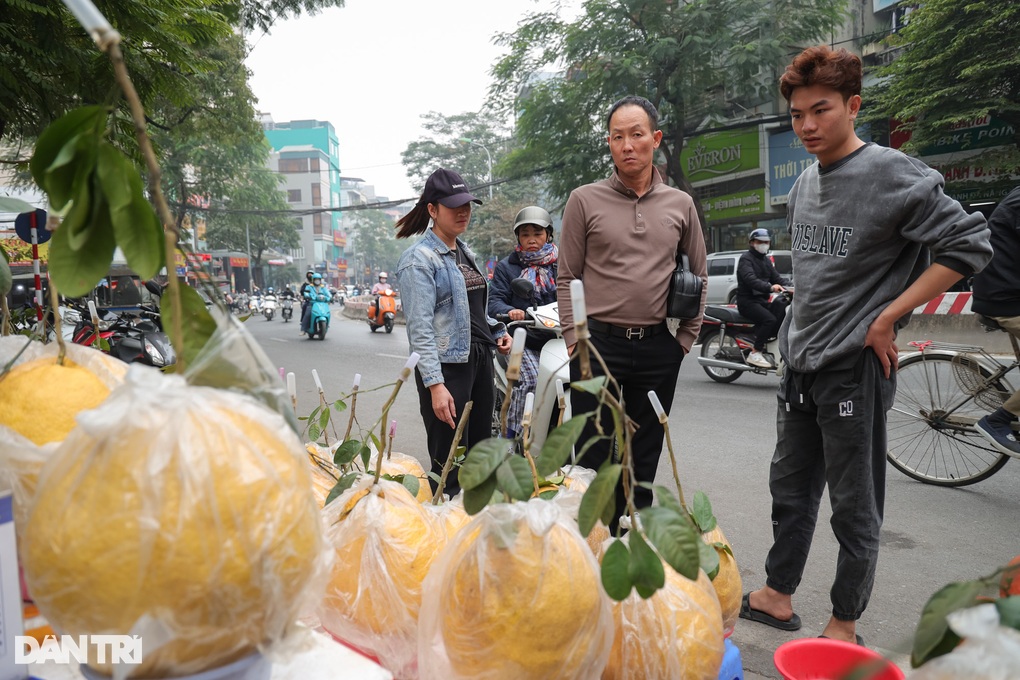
column 831, row 429
column 1012, row 326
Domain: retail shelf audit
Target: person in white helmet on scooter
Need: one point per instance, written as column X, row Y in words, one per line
column 534, row 258
column 757, row 279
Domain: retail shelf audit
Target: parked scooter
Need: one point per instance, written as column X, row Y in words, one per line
column 131, row 337
column 553, row 368
column 382, row 312
column 287, row 308
column 318, row 314
column 727, row 338
column 269, row 306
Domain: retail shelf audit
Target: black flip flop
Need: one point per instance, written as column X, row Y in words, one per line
column 761, row 617
column 860, row 640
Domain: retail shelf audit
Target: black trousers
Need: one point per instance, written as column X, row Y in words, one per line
column 471, row 381
column 638, row 366
column 767, row 318
column 831, row 430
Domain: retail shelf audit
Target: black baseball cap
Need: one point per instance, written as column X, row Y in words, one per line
column 447, row 187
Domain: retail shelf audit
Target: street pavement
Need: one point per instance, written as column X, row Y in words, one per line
column 724, row 436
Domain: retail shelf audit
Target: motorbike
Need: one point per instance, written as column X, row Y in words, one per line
column 382, row 312
column 727, row 338
column 269, row 306
column 318, row 314
column 132, row 337
column 551, row 401
column 255, row 304
column 287, row 308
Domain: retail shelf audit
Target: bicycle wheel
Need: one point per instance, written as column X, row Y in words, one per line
column 931, row 425
column 726, row 350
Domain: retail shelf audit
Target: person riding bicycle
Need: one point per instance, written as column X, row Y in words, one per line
column 306, row 302
column 997, row 296
column 757, row 279
column 534, row 258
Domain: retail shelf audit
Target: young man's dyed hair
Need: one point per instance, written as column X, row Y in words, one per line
column 821, row 65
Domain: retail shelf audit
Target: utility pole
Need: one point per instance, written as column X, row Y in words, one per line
column 488, row 156
column 247, row 235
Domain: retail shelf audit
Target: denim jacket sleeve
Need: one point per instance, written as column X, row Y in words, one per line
column 417, row 276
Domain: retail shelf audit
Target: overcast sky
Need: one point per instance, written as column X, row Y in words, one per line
column 374, row 67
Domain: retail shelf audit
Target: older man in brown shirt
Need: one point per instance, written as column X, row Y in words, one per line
column 620, row 238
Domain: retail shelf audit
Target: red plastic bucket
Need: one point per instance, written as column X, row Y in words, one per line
column 825, row 659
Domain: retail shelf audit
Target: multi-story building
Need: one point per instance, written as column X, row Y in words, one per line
column 743, row 170
column 307, row 154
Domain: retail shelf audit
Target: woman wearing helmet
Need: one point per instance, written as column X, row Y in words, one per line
column 533, row 258
column 757, row 279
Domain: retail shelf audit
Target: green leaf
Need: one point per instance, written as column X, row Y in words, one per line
column 196, row 321
column 344, row 483
column 513, row 477
column 86, row 207
column 548, row 495
column 616, row 571
column 55, row 137
column 592, row 385
column 71, row 166
column 559, row 443
column 645, row 568
column 599, row 501
column 411, row 483
column 1009, row 611
column 139, row 233
column 339, row 406
column 933, row 636
column 482, row 461
column 478, row 497
column 668, row 500
column 676, row 539
column 76, row 273
column 709, row 557
column 366, row 455
column 347, row 452
column 702, row 512
column 323, row 418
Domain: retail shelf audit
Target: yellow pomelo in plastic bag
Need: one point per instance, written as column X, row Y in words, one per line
column 39, row 399
column 727, row 582
column 403, row 464
column 385, row 542
column 180, row 514
column 676, row 634
column 516, row 595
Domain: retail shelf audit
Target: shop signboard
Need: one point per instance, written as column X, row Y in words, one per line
column 982, row 132
column 787, row 159
column 240, row 262
column 725, row 155
column 734, row 205
column 969, row 179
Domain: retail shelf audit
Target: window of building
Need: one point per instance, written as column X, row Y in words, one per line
column 314, row 163
column 316, row 194
column 317, row 223
column 290, row 165
column 294, row 195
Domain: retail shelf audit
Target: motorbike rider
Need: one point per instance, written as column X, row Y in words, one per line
column 316, row 291
column 534, row 258
column 757, row 279
column 306, row 301
column 378, row 288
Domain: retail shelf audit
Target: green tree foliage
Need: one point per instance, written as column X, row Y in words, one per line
column 375, row 242
column 257, row 208
column 961, row 62
column 695, row 60
column 491, row 231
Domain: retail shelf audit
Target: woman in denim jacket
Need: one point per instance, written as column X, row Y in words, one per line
column 444, row 296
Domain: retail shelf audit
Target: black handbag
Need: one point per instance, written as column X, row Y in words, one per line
column 684, row 301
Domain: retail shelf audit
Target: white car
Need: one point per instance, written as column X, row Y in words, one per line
column 722, row 273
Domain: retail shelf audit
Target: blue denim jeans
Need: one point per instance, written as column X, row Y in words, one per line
column 831, row 430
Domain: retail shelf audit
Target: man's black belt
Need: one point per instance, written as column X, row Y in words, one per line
column 632, row 333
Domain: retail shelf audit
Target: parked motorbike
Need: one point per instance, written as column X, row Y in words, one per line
column 318, row 314
column 132, row 337
column 553, row 368
column 287, row 308
column 269, row 306
column 382, row 312
column 727, row 338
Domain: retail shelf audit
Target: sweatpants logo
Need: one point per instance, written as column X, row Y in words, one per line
column 846, row 409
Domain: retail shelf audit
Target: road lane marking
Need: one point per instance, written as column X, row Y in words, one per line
column 393, row 356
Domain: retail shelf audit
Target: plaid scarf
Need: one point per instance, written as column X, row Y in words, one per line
column 535, row 266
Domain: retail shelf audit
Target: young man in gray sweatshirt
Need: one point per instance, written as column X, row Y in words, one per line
column 873, row 237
